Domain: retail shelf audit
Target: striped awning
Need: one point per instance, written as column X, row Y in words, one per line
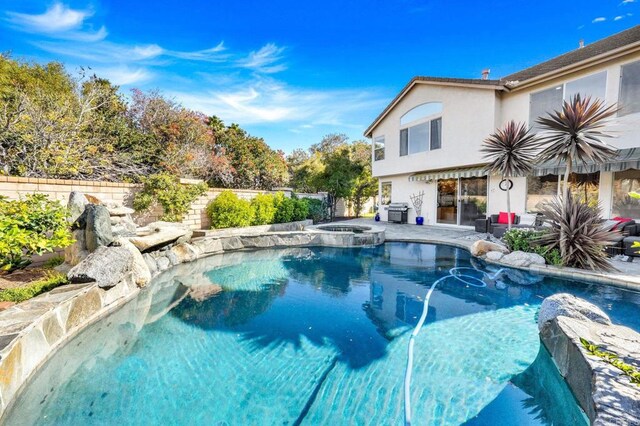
column 626, row 159
column 448, row 174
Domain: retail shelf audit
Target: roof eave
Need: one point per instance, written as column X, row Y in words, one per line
column 594, row 60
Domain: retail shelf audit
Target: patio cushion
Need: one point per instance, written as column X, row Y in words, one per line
column 608, row 225
column 621, row 222
column 503, row 218
column 528, row 219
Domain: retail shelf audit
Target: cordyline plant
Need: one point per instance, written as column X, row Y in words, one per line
column 511, row 152
column 574, row 134
column 577, row 231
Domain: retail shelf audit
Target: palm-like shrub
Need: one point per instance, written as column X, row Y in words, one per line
column 511, row 151
column 576, row 230
column 575, row 133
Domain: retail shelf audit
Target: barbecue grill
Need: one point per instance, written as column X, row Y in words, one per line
column 398, row 212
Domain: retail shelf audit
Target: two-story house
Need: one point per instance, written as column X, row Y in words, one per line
column 428, row 139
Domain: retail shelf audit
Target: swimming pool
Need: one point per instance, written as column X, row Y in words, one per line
column 317, row 336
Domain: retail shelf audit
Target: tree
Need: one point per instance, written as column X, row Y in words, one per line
column 364, row 186
column 339, row 175
column 255, row 165
column 511, row 152
column 574, row 134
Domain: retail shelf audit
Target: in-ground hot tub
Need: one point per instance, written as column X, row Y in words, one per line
column 357, row 229
column 347, row 235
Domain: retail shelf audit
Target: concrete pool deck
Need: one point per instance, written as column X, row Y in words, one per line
column 626, row 276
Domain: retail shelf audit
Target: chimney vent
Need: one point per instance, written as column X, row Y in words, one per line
column 581, row 44
column 485, row 73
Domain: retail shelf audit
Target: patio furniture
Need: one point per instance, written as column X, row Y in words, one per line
column 627, row 246
column 481, row 225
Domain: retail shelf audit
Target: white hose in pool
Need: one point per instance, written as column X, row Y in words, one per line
column 469, row 280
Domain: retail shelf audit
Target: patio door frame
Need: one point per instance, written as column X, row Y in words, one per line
column 459, row 198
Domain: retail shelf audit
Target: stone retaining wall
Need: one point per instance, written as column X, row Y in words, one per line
column 114, row 192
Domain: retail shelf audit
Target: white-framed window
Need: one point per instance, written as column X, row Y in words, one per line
column 623, row 205
column 548, row 100
column 378, row 148
column 385, row 193
column 629, row 96
column 421, row 129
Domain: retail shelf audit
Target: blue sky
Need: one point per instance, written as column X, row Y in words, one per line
column 293, row 71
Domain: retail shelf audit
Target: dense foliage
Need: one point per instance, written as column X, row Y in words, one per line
column 60, row 126
column 166, row 190
column 31, row 226
column 228, row 210
column 337, row 167
column 528, row 240
column 576, row 230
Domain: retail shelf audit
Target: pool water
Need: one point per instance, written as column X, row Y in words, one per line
column 317, row 336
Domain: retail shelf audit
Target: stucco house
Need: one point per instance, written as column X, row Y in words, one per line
column 429, row 137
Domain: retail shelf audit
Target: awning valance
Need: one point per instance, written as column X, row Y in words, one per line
column 626, row 159
column 448, row 174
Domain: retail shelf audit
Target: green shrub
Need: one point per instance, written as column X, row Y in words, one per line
column 229, row 211
column 316, row 210
column 264, row 209
column 31, row 226
column 20, row 294
column 285, row 208
column 300, row 209
column 528, row 240
column 166, row 190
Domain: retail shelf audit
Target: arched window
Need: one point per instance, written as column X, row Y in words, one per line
column 421, row 128
column 421, row 112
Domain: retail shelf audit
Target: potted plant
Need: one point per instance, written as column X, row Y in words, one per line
column 416, row 200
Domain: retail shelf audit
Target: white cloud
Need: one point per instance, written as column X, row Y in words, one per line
column 264, row 60
column 619, row 17
column 599, row 19
column 214, row 54
column 57, row 18
column 124, row 75
column 627, row 2
column 265, row 100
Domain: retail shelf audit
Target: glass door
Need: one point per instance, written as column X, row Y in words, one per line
column 448, row 201
column 473, row 200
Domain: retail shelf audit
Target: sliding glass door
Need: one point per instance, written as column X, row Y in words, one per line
column 462, row 200
column 448, row 201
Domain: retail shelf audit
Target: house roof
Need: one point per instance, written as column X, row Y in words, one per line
column 584, row 55
column 590, row 51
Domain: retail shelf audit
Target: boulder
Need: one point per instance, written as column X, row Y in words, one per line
column 495, row 255
column 93, row 200
column 76, row 252
column 522, row 259
column 603, row 391
column 123, row 226
column 76, row 205
column 106, row 266
column 159, row 234
column 184, row 252
column 141, row 272
column 568, row 305
column 482, row 247
column 116, row 210
column 98, row 227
